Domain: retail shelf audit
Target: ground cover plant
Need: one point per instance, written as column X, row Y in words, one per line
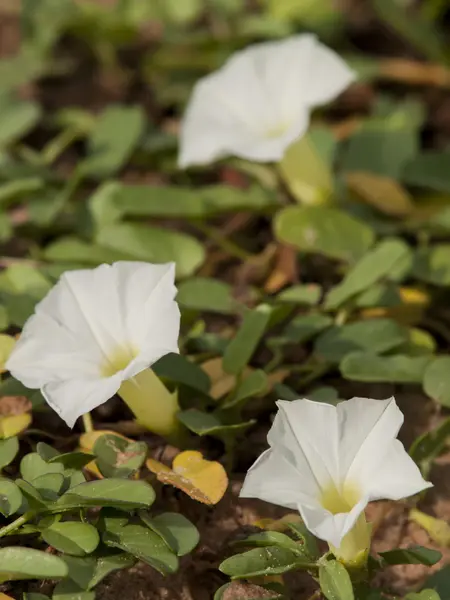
column 225, row 263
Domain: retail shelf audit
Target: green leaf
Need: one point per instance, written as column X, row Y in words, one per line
column 423, row 595
column 81, row 570
column 429, row 170
column 271, row 560
column 177, row 531
column 33, row 466
column 241, row 348
column 420, row 343
column 255, row 384
column 117, row 201
column 381, row 149
column 26, row 563
column 144, row 545
column 72, row 537
column 307, row 294
column 397, row 368
column 422, row 34
column 429, row 446
column 46, row 452
column 154, row 245
column 114, row 137
column 8, row 451
column 112, row 519
column 269, row 538
column 306, row 539
column 13, row 191
column 69, row 590
column 180, row 370
column 17, row 118
column 440, row 582
column 325, row 394
column 31, row 494
column 73, row 250
column 432, row 264
column 436, row 381
column 73, row 477
column 49, row 485
column 306, row 170
column 322, row 230
column 72, row 460
column 301, row 329
column 210, row 295
column 416, row 555
column 118, row 457
column 202, row 423
column 10, row 497
column 335, row 581
column 109, row 563
column 373, row 335
column 389, row 258
column 110, row 492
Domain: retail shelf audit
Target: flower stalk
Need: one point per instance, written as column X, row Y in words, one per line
column 154, row 406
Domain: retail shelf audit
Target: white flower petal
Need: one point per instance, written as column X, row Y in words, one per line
column 329, row 76
column 366, row 428
column 46, row 350
column 258, row 103
column 147, row 306
column 309, row 431
column 273, row 478
column 397, row 477
column 97, row 327
column 328, row 527
column 75, row 397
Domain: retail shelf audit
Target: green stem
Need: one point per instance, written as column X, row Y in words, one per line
column 57, row 146
column 8, row 529
column 222, row 242
column 318, row 371
column 87, row 423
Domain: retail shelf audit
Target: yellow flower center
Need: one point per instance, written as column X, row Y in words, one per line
column 340, row 500
column 277, row 130
column 118, row 360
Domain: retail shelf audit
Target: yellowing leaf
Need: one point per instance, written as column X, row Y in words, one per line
column 221, row 383
column 384, row 193
column 12, row 425
column 7, row 343
column 414, row 296
column 5, row 597
column 203, row 480
column 87, row 442
column 438, row 530
column 410, row 312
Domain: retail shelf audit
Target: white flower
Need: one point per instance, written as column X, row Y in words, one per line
column 328, row 462
column 259, row 102
column 95, row 329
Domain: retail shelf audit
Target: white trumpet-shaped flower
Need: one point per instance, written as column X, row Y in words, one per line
column 94, row 330
column 259, row 102
column 328, row 462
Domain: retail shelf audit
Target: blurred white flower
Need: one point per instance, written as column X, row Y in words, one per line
column 328, row 462
column 259, row 102
column 95, row 329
